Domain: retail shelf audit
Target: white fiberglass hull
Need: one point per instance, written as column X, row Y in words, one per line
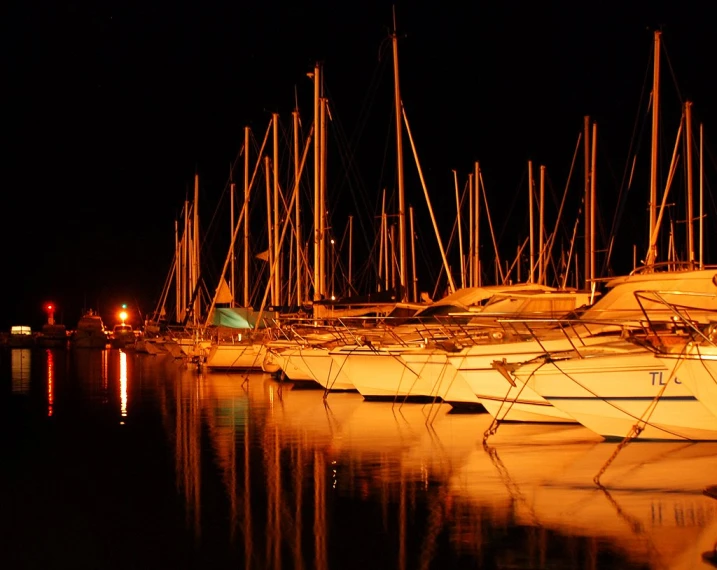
column 379, row 373
column 433, row 367
column 277, row 360
column 696, row 367
column 235, row 356
column 615, row 388
column 316, row 362
column 503, row 401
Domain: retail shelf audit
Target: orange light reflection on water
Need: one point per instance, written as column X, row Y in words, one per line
column 123, row 385
column 20, row 363
column 50, row 381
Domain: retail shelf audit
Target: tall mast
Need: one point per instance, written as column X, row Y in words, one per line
column 530, row 211
column 317, row 181
column 384, row 261
column 702, row 214
column 186, row 266
column 231, row 243
column 414, row 278
column 476, row 226
column 586, row 200
column 246, row 217
column 351, row 246
column 269, row 225
column 322, row 136
column 399, row 166
column 541, row 226
column 460, row 232
column 177, row 273
column 593, row 151
column 652, row 254
column 690, row 207
column 195, row 258
column 276, row 205
column 471, row 231
column 299, row 266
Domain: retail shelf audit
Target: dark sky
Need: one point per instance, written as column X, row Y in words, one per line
column 111, row 107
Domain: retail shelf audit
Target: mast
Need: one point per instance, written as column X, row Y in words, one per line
column 476, row 226
column 586, row 200
column 399, row 166
column 460, row 233
column 593, row 151
column 276, row 205
column 297, row 213
column 541, row 225
column 322, row 195
column 392, row 240
column 195, row 257
column 269, row 222
column 702, row 215
column 471, row 231
column 690, row 213
column 384, row 243
column 231, row 243
column 351, row 246
column 317, row 181
column 413, row 256
column 530, row 210
column 186, row 267
column 246, row 216
column 652, row 253
column 177, row 273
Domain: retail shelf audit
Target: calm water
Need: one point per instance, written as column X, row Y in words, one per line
column 114, row 460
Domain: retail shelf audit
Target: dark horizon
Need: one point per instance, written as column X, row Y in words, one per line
column 113, row 109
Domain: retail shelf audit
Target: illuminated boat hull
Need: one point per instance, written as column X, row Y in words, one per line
column 617, row 387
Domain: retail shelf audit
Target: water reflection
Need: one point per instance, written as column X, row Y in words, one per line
column 306, row 479
column 20, row 359
column 123, row 384
column 269, row 476
column 91, row 369
column 50, row 381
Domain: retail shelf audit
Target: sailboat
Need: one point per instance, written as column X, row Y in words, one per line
column 618, row 389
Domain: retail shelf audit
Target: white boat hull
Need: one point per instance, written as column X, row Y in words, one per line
column 696, row 367
column 317, row 363
column 235, row 356
column 612, row 391
column 502, row 400
column 433, row 367
column 379, row 373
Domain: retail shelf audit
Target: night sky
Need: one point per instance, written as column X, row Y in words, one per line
column 111, row 107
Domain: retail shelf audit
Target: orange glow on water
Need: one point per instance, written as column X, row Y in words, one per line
column 20, row 370
column 123, row 384
column 50, row 382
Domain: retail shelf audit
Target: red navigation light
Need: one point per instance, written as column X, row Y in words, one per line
column 50, row 307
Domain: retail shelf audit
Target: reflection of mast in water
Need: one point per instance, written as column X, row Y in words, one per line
column 319, row 510
column 248, row 528
column 20, row 364
column 105, row 375
column 272, row 460
column 188, row 447
column 402, row 522
column 123, row 385
column 50, row 381
column 297, row 455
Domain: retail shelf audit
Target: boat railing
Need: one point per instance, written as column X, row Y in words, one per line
column 680, row 323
